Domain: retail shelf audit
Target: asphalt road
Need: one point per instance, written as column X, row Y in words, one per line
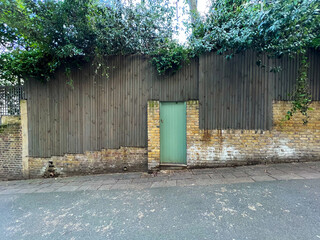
column 259, row 210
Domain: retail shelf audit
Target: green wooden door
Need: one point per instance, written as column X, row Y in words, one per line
column 173, row 137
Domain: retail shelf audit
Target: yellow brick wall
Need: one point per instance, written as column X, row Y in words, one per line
column 92, row 162
column 287, row 141
column 11, row 150
column 153, row 135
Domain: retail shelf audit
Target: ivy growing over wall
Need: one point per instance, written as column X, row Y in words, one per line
column 301, row 97
column 38, row 37
column 275, row 28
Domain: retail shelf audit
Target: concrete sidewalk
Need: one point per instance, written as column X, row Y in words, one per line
column 169, row 178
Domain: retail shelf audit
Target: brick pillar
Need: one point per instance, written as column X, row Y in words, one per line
column 153, row 135
column 25, row 145
column 193, row 131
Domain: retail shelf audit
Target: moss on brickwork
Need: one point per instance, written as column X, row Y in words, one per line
column 4, row 128
column 7, row 128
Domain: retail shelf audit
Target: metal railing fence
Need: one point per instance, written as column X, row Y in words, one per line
column 10, row 97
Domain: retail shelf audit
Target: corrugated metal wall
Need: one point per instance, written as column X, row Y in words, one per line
column 109, row 112
column 101, row 112
column 314, row 74
column 234, row 93
column 237, row 94
column 284, row 82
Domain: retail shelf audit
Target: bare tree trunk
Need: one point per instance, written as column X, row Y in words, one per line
column 193, row 9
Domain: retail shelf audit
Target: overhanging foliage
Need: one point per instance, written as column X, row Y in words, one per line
column 41, row 36
column 276, row 28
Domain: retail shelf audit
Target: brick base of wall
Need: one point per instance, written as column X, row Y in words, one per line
column 11, row 151
column 93, row 162
column 288, row 140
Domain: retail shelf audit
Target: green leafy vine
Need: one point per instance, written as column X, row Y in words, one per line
column 301, row 97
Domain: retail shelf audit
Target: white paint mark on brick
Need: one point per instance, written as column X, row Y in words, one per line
column 229, row 153
column 199, row 153
column 282, row 150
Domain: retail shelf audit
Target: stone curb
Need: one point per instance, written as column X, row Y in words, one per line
column 182, row 178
